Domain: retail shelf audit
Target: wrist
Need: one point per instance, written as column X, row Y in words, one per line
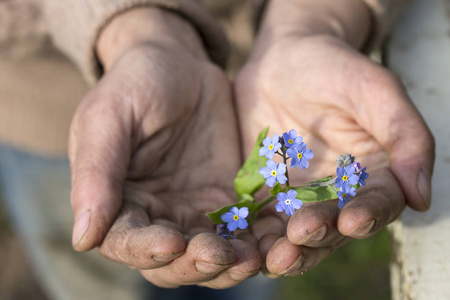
column 347, row 20
column 146, row 25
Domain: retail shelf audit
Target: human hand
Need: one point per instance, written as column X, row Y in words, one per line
column 152, row 148
column 305, row 74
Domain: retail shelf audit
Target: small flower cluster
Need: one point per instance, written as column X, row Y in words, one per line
column 290, row 146
column 349, row 174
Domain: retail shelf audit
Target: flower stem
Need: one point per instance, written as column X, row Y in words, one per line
column 283, row 150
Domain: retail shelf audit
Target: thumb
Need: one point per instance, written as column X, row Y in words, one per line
column 99, row 151
column 400, row 129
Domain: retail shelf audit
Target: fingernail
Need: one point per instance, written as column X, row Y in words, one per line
column 166, row 258
column 80, row 227
column 294, row 269
column 208, row 269
column 363, row 229
column 240, row 276
column 317, row 235
column 424, row 185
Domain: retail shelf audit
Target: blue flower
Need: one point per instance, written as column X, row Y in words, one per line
column 344, row 195
column 292, row 139
column 363, row 176
column 273, row 173
column 300, row 156
column 287, row 202
column 346, row 177
column 235, row 218
column 271, row 145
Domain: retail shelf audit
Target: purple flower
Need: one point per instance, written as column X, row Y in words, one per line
column 287, row 202
column 222, row 230
column 291, row 138
column 235, row 218
column 357, row 166
column 273, row 173
column 271, row 145
column 344, row 195
column 300, row 156
column 346, row 177
column 363, row 176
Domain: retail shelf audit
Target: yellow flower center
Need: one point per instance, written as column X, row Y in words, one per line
column 299, row 155
column 290, row 141
column 274, row 173
column 344, row 195
column 229, row 238
column 288, row 201
column 270, row 147
column 235, row 217
column 345, row 178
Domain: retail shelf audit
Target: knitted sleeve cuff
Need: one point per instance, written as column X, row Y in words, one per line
column 76, row 24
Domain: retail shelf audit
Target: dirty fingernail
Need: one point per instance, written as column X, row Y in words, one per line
column 317, row 235
column 294, row 269
column 80, row 227
column 166, row 258
column 424, row 185
column 207, row 268
column 363, row 229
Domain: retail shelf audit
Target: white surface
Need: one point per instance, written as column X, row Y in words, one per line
column 419, row 52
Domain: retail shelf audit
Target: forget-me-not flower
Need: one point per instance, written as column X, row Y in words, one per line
column 273, row 173
column 287, row 202
column 346, row 177
column 235, row 218
column 300, row 155
column 363, row 176
column 271, row 145
column 344, row 195
column 291, row 138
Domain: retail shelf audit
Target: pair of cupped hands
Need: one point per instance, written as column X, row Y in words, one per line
column 158, row 141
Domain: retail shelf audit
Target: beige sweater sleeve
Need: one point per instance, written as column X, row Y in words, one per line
column 75, row 25
column 384, row 13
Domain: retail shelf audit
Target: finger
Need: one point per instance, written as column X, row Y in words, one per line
column 206, row 256
column 99, row 155
column 133, row 241
column 287, row 259
column 315, row 225
column 375, row 206
column 247, row 264
column 397, row 125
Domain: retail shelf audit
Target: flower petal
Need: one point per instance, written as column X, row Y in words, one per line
column 292, row 134
column 296, row 203
column 267, row 141
column 275, row 139
column 281, row 168
column 301, row 147
column 270, row 181
column 265, row 172
column 308, row 154
column 282, row 196
column 340, row 171
column 263, row 151
column 232, row 225
column 242, row 223
column 292, row 194
column 271, row 165
column 289, row 210
column 350, row 169
column 294, row 162
column 270, row 154
column 243, row 212
column 281, row 179
column 279, row 206
column 234, row 210
column 304, row 163
column 353, row 179
column 292, row 152
column 338, row 182
column 227, row 217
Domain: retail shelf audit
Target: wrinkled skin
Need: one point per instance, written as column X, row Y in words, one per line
column 340, row 102
column 155, row 143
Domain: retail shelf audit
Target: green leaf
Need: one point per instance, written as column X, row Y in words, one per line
column 247, row 201
column 276, row 189
column 248, row 180
column 315, row 194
